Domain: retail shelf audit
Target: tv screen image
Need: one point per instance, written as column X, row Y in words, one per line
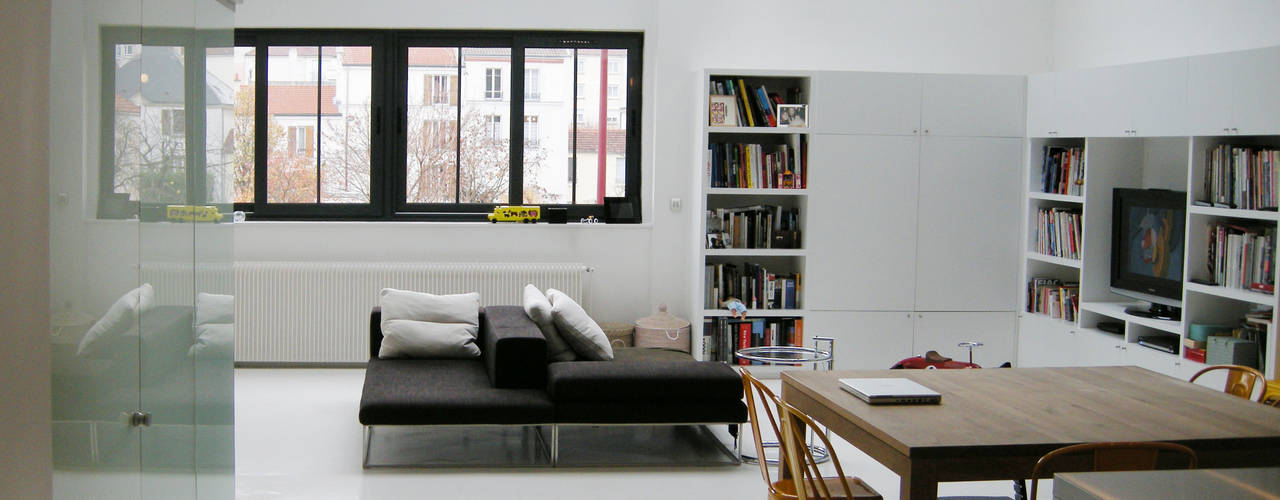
column 1148, row 238
column 1155, row 237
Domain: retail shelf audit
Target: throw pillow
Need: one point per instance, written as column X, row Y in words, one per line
column 122, row 315
column 538, row 308
column 423, row 325
column 215, row 327
column 579, row 330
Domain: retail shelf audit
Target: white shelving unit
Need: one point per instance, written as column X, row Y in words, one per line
column 1150, row 142
column 778, row 261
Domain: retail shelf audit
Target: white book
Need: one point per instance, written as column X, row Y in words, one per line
column 890, row 391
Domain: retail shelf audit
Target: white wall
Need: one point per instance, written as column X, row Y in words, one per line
column 641, row 266
column 25, row 456
column 1108, row 32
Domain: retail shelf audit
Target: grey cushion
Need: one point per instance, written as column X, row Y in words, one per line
column 640, row 380
column 445, row 391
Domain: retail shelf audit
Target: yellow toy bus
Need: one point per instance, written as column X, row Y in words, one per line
column 190, row 213
column 516, row 214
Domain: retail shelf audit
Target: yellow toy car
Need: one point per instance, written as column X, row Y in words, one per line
column 516, row 214
column 190, row 213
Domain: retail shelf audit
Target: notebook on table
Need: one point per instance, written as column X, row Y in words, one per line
column 878, row 391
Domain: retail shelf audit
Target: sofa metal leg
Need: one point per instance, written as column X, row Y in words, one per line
column 737, row 443
column 555, row 444
column 368, row 441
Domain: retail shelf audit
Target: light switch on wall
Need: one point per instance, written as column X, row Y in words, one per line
column 676, row 204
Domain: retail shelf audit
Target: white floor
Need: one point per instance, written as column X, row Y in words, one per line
column 297, row 437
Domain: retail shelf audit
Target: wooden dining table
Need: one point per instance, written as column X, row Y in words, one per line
column 994, row 424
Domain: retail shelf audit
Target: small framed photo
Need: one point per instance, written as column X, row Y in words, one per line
column 793, row 115
column 724, row 111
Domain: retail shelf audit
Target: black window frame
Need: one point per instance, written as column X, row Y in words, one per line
column 195, row 43
column 389, row 109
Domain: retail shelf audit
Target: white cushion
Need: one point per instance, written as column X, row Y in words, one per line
column 214, row 341
column 215, row 308
column 122, row 315
column 423, row 325
column 538, row 308
column 579, row 330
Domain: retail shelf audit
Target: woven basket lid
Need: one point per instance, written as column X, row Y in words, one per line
column 662, row 321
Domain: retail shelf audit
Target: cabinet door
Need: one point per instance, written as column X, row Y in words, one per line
column 1043, row 341
column 861, row 233
column 1043, row 107
column 865, row 103
column 1150, row 359
column 1256, row 105
column 1210, row 92
column 863, row 340
column 941, row 331
column 1093, row 103
column 1094, row 348
column 1157, row 97
column 974, row 105
column 967, row 253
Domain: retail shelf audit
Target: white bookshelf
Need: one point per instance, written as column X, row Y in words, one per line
column 778, row 261
column 1151, row 144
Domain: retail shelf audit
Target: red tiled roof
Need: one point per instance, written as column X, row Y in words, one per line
column 615, row 142
column 300, row 100
column 125, row 106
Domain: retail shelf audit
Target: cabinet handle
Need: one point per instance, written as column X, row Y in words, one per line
column 926, row 131
column 1235, row 130
column 1226, row 129
column 915, row 131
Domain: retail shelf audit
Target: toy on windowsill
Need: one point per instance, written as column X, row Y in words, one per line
column 525, row 215
column 736, row 308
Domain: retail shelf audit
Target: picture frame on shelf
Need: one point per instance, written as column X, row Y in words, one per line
column 793, row 115
column 723, row 111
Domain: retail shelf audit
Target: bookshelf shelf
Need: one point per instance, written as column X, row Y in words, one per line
column 1063, row 198
column 755, row 313
column 757, row 191
column 757, row 130
column 755, row 252
column 1234, row 213
column 1116, row 310
column 1250, row 296
column 1073, row 263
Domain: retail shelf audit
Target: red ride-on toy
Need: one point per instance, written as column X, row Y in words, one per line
column 933, row 361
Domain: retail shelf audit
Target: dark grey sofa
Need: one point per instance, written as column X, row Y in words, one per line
column 513, row 384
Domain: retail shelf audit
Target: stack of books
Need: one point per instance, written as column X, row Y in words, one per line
column 1242, row 257
column 1241, row 177
column 1062, row 171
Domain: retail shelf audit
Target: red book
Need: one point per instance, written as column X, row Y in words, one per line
column 799, row 339
column 744, row 340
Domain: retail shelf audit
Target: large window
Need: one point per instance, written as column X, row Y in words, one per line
column 434, row 125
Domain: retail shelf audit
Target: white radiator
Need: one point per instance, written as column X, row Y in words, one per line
column 176, row 284
column 319, row 311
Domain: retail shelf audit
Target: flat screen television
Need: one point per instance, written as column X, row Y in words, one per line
column 1148, row 235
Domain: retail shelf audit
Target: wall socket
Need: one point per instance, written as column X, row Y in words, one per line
column 676, row 204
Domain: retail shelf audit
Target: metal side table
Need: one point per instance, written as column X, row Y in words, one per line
column 815, row 356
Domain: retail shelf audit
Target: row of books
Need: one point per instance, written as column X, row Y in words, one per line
column 756, row 106
column 1242, row 257
column 759, row 226
column 1062, row 171
column 1053, row 298
column 1058, row 232
column 752, row 284
column 727, row 335
column 1241, row 177
column 738, row 165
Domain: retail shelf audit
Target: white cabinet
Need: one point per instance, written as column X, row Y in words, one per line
column 866, row 103
column 941, row 331
column 864, row 340
column 968, row 201
column 1043, row 341
column 864, row 199
column 1235, row 93
column 1147, row 99
column 973, row 105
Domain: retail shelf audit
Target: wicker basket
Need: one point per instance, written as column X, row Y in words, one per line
column 663, row 331
column 620, row 334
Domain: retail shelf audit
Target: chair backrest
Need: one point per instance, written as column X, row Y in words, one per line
column 1112, row 456
column 1240, row 380
column 810, row 483
column 756, row 390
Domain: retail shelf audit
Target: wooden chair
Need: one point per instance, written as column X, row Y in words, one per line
column 785, row 488
column 800, row 457
column 1240, row 380
column 1114, row 456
